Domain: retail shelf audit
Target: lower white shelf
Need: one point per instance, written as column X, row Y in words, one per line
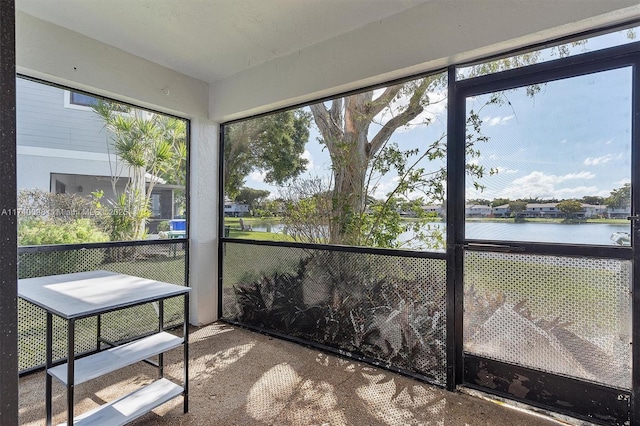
column 104, row 362
column 132, row 406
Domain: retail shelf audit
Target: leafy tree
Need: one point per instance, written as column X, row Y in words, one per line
column 307, row 203
column 252, row 197
column 620, row 198
column 570, row 207
column 49, row 218
column 517, row 206
column 500, row 202
column 273, row 143
column 593, row 199
column 150, row 148
column 357, row 131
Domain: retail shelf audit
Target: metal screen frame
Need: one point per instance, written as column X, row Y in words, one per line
column 551, row 391
column 607, row 404
column 8, row 230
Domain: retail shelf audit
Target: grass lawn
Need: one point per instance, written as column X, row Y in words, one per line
column 590, row 292
column 260, row 236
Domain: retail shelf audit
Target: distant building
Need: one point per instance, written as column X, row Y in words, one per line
column 618, row 213
column 236, row 209
column 477, row 210
column 433, row 209
column 543, row 210
column 593, row 210
column 501, row 211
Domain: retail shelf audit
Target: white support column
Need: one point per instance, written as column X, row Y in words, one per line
column 203, row 230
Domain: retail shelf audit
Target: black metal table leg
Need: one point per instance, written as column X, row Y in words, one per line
column 71, row 331
column 185, row 333
column 49, row 364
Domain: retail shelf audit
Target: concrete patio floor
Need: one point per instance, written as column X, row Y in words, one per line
column 238, row 377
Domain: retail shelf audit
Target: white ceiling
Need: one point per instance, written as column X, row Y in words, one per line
column 212, row 39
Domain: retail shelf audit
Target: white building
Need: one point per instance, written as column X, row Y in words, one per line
column 477, row 210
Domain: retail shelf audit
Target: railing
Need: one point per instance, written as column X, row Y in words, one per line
column 161, row 260
column 384, row 306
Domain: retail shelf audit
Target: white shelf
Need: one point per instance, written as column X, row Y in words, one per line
column 132, row 406
column 101, row 363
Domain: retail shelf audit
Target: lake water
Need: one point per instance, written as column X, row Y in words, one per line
column 582, row 233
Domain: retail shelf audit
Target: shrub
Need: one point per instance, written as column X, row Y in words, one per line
column 164, row 226
column 39, row 232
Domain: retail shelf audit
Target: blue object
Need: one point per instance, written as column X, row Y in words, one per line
column 178, row 225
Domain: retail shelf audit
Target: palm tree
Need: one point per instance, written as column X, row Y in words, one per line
column 151, row 148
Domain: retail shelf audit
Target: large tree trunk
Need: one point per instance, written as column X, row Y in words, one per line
column 345, row 133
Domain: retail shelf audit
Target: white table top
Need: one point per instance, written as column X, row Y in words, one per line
column 84, row 294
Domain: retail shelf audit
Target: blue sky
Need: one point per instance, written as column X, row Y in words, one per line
column 570, row 140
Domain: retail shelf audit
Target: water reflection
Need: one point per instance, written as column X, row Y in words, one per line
column 583, row 233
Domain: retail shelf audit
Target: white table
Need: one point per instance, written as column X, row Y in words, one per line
column 86, row 294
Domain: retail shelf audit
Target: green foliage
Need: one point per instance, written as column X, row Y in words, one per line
column 500, row 202
column 517, row 206
column 152, row 148
column 570, row 207
column 593, row 199
column 620, row 198
column 164, row 226
column 383, row 315
column 479, row 202
column 273, row 143
column 40, row 232
column 253, row 197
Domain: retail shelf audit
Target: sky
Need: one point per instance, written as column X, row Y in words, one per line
column 569, row 140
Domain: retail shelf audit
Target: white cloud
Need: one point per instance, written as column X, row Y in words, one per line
column 307, row 156
column 578, row 192
column 580, row 175
column 383, row 188
column 506, row 171
column 257, row 176
column 494, row 121
column 539, row 184
column 595, row 161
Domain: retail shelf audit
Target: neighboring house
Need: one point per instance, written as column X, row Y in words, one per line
column 433, row 209
column 593, row 210
column 477, row 210
column 62, row 147
column 544, row 210
column 235, row 209
column 502, row 211
column 618, row 213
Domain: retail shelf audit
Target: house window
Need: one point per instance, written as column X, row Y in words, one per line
column 81, row 99
column 61, row 188
column 155, row 205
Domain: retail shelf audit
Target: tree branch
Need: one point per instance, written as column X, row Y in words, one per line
column 383, row 101
column 328, row 122
column 413, row 110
